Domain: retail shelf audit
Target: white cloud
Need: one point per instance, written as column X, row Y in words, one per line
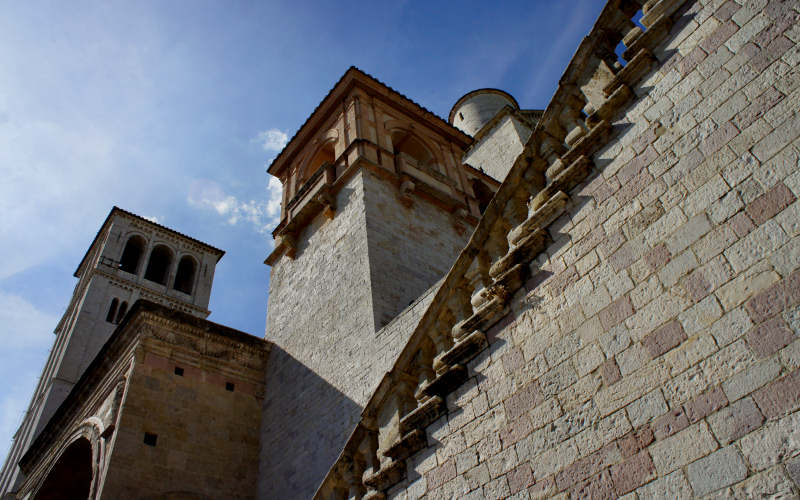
column 158, row 219
column 263, row 214
column 272, row 140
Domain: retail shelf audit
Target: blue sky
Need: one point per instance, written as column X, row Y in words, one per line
column 173, row 110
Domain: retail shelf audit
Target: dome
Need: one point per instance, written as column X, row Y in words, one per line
column 475, row 109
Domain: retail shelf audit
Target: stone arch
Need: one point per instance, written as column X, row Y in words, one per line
column 71, row 476
column 159, row 264
column 132, row 254
column 74, row 473
column 184, row 276
column 410, row 143
column 325, row 152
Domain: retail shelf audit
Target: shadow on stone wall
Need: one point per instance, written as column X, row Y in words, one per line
column 305, row 424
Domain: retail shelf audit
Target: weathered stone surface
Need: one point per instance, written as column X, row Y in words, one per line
column 735, row 421
column 722, row 468
column 682, row 448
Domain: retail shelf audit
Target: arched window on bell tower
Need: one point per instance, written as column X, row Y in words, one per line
column 112, row 310
column 411, row 148
column 158, row 265
column 132, row 255
column 184, row 277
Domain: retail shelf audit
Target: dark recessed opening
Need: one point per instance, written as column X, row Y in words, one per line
column 150, row 439
column 229, row 386
column 179, row 371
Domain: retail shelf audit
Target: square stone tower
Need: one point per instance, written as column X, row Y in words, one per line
column 130, row 258
column 376, row 206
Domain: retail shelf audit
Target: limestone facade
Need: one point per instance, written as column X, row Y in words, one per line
column 376, row 207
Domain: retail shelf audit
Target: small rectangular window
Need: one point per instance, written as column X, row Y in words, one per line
column 179, row 371
column 229, row 386
column 150, row 439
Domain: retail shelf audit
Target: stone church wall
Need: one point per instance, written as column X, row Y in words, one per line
column 495, row 152
column 410, row 247
column 655, row 352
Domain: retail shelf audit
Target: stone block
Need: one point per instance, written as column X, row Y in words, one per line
column 744, row 286
column 673, row 485
column 496, row 489
column 699, row 200
column 769, row 337
column 682, row 448
column 770, row 203
column 657, row 257
column 441, row 474
column 632, row 473
column 750, row 379
column 631, row 359
column 599, row 486
column 502, row 462
column 588, row 359
column 741, row 224
column 697, row 286
column 719, row 36
column 544, row 488
column 755, row 246
column 587, row 466
column 554, row 459
column 783, row 134
column 718, row 470
column 670, row 423
column 793, row 468
column 705, row 404
column 664, row 339
column 520, row 478
column 735, row 421
column 617, row 312
column 767, row 303
column 523, row 400
column 771, row 483
column 768, row 445
column 725, row 207
column 757, row 108
column 609, row 370
column 477, row 476
column 645, row 408
column 779, row 397
column 701, row 315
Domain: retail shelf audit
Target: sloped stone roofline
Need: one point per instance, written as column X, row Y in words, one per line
column 117, row 210
column 349, row 78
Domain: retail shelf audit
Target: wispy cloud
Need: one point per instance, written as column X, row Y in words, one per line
column 261, row 213
column 27, row 337
column 271, row 140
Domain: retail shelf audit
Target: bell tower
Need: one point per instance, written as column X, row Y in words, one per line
column 130, row 258
column 376, row 206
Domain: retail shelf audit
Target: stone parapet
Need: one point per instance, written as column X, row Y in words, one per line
column 603, row 375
